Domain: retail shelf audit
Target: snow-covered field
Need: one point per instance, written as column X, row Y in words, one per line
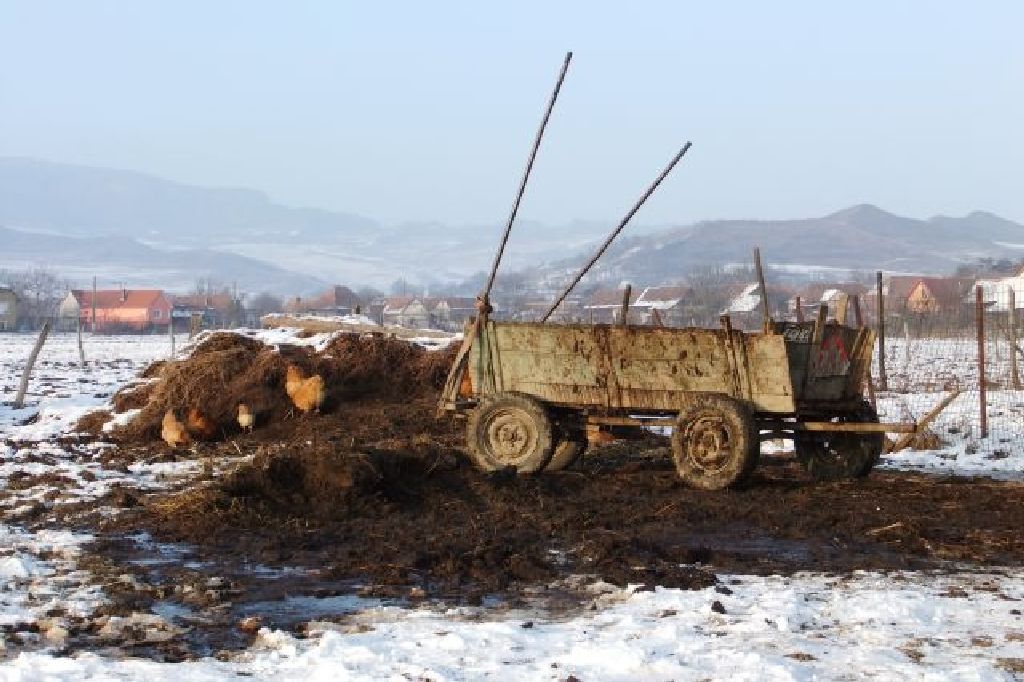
column 966, row 625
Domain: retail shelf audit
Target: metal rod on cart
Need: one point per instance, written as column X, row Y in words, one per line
column 526, row 177
column 615, row 233
column 979, row 309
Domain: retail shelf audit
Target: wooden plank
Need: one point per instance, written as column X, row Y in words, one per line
column 905, row 440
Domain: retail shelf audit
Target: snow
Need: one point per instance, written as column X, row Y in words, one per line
column 964, row 626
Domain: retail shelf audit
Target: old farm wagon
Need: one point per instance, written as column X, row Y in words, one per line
column 532, row 393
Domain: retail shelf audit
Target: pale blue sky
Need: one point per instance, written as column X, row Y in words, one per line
column 425, row 110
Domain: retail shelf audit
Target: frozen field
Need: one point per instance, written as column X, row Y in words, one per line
column 965, row 623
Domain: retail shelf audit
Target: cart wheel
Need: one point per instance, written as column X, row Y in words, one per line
column 715, row 443
column 510, row 430
column 835, row 456
column 567, row 452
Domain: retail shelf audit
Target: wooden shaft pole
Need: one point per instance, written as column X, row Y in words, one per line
column 19, row 399
column 799, row 311
column 526, row 177
column 979, row 311
column 615, row 233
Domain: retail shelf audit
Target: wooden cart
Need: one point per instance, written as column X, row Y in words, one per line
column 533, row 393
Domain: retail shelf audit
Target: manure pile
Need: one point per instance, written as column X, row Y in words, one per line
column 363, row 376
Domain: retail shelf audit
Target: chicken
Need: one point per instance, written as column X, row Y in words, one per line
column 293, row 380
column 199, row 425
column 308, row 394
column 246, row 418
column 173, row 431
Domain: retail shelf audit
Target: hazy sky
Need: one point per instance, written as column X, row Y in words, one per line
column 425, row 110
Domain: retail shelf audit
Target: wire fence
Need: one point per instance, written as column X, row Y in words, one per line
column 973, row 351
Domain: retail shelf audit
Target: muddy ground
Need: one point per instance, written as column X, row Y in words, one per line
column 251, row 547
column 375, row 499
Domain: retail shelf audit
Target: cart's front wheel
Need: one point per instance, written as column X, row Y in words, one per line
column 510, row 429
column 715, row 443
column 839, row 455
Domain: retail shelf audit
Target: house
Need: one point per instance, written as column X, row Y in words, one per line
column 116, row 310
column 813, row 295
column 744, row 306
column 8, row 309
column 215, row 310
column 449, row 313
column 996, row 292
column 926, row 295
column 604, row 306
column 336, row 301
column 405, row 311
column 673, row 306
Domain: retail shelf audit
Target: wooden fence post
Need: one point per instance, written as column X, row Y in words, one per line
column 1012, row 324
column 799, row 311
column 625, row 304
column 883, row 381
column 81, row 348
column 170, row 332
column 19, row 400
column 979, row 312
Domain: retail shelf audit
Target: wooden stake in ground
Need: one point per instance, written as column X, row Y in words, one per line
column 1012, row 328
column 799, row 311
column 883, row 381
column 81, row 348
column 19, row 400
column 170, row 332
column 979, row 311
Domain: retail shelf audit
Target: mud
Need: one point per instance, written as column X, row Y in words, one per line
column 374, row 498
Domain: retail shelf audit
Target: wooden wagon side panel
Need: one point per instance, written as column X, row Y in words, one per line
column 767, row 370
column 558, row 364
column 652, row 368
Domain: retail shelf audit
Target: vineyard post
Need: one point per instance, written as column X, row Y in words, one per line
column 979, row 312
column 883, row 381
column 1012, row 323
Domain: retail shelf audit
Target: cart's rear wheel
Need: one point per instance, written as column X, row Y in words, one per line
column 715, row 443
column 839, row 455
column 567, row 452
column 510, row 429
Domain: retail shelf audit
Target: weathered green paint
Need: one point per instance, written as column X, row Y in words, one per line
column 650, row 369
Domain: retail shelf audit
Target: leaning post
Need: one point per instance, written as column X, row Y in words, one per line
column 19, row 399
column 883, row 381
column 979, row 311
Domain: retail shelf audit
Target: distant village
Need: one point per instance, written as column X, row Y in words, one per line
column 950, row 299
